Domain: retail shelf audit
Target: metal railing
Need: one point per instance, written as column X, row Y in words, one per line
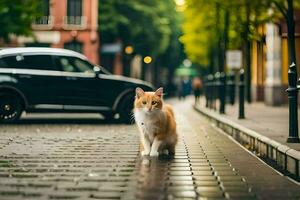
column 216, row 88
column 43, row 23
column 75, row 22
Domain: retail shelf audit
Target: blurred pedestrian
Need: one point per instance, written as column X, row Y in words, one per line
column 197, row 88
column 185, row 88
column 171, row 88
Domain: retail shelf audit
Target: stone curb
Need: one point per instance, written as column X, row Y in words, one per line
column 286, row 158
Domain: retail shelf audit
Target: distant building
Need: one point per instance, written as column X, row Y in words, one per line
column 269, row 70
column 69, row 24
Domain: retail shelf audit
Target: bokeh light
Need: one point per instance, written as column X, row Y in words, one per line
column 147, row 59
column 129, row 50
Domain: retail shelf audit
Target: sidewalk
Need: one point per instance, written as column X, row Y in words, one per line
column 272, row 122
column 266, row 122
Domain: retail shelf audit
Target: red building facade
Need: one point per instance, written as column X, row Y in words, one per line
column 69, row 24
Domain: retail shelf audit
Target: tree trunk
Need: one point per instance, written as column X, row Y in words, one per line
column 218, row 46
column 291, row 32
column 247, row 53
column 156, row 73
column 225, row 39
column 211, row 60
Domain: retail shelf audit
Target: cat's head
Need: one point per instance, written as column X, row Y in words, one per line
column 148, row 102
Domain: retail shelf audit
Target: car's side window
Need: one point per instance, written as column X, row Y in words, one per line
column 73, row 64
column 66, row 65
column 2, row 63
column 11, row 62
column 40, row 62
column 83, row 65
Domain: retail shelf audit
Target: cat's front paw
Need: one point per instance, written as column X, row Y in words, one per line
column 154, row 153
column 145, row 153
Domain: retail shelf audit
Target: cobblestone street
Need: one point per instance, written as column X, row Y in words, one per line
column 91, row 160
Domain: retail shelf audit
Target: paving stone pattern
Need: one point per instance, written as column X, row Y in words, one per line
column 265, row 182
column 80, row 165
column 93, row 161
column 199, row 170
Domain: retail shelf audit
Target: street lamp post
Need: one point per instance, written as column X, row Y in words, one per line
column 222, row 92
column 231, row 87
column 216, row 92
column 210, row 80
column 206, row 90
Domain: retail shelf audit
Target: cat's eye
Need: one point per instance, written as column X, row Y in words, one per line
column 144, row 102
column 154, row 102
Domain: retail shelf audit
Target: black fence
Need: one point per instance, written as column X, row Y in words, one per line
column 221, row 87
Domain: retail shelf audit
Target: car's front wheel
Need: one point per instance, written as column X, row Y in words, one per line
column 125, row 109
column 10, row 108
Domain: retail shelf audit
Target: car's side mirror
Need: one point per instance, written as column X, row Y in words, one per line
column 97, row 71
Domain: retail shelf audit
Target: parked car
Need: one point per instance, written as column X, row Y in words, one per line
column 60, row 80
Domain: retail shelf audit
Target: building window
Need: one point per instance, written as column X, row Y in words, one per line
column 74, row 8
column 74, row 19
column 74, row 12
column 74, row 46
column 45, row 21
column 45, row 7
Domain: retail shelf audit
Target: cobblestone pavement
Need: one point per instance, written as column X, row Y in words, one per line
column 92, row 160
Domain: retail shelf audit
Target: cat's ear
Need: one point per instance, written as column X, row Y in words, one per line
column 159, row 92
column 139, row 92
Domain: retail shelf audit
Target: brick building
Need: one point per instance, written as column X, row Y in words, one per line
column 70, row 24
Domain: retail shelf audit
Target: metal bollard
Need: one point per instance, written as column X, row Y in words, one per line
column 222, row 92
column 206, row 91
column 210, row 79
column 293, row 104
column 216, row 89
column 242, row 95
column 231, row 88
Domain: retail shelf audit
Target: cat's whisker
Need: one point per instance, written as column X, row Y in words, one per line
column 132, row 119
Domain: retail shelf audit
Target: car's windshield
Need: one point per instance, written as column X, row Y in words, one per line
column 103, row 70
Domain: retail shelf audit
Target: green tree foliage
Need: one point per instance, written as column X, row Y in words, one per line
column 16, row 17
column 207, row 36
column 204, row 25
column 141, row 23
column 173, row 55
column 151, row 27
column 198, row 29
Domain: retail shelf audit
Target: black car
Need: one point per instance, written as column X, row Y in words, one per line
column 59, row 80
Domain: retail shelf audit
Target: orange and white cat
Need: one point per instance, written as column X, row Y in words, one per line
column 156, row 123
